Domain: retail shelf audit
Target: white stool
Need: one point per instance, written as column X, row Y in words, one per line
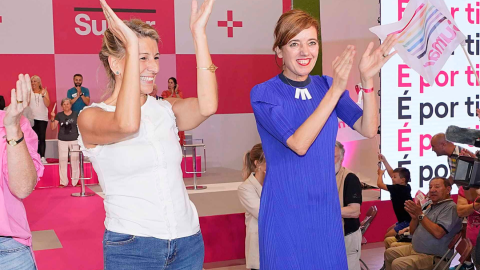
column 82, row 192
column 193, row 147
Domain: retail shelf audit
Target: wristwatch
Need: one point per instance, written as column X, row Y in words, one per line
column 81, row 94
column 420, row 218
column 14, row 142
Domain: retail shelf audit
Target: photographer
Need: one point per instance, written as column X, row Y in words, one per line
column 442, row 147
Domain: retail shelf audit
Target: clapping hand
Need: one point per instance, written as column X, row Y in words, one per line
column 20, row 98
column 413, row 209
column 118, row 28
column 372, row 62
column 199, row 17
column 342, row 65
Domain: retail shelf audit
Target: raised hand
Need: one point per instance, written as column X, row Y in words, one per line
column 118, row 27
column 380, row 171
column 381, row 157
column 20, row 98
column 372, row 62
column 199, row 17
column 342, row 65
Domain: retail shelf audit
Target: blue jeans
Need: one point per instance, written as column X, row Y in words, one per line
column 15, row 256
column 128, row 252
column 401, row 225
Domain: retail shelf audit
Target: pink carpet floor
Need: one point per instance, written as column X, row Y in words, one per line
column 78, row 223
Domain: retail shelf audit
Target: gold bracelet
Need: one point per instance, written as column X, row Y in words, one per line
column 212, row 68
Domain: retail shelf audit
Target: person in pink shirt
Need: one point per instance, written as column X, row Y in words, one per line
column 21, row 168
column 466, row 209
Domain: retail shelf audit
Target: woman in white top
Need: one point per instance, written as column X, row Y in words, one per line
column 249, row 192
column 131, row 139
column 39, row 107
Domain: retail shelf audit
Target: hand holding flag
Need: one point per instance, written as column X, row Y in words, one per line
column 427, row 36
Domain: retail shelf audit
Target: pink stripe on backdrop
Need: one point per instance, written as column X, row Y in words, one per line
column 236, row 76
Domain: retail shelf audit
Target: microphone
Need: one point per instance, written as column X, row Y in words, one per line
column 463, row 135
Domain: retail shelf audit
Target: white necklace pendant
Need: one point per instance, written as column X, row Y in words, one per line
column 303, row 92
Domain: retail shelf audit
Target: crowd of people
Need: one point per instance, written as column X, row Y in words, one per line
column 288, row 213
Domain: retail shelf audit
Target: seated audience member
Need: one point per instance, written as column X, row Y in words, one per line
column 249, row 192
column 21, row 168
column 350, row 195
column 465, row 208
column 432, row 231
column 66, row 122
column 393, row 241
column 79, row 95
column 400, row 191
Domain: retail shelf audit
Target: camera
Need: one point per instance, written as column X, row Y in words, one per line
column 467, row 173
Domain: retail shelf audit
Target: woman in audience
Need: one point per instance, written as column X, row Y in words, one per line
column 297, row 119
column 131, row 140
column 66, row 122
column 39, row 105
column 254, row 168
column 173, row 90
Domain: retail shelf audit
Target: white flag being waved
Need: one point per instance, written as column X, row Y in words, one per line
column 427, row 36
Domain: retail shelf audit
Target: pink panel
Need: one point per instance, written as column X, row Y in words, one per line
column 79, row 24
column 94, row 77
column 236, row 76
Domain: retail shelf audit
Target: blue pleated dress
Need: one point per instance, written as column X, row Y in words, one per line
column 300, row 223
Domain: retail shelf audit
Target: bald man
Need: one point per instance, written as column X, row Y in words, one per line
column 442, row 147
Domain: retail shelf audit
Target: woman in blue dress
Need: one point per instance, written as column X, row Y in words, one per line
column 300, row 223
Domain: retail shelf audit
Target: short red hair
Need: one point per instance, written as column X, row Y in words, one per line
column 290, row 24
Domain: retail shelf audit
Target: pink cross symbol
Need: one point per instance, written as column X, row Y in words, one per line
column 230, row 23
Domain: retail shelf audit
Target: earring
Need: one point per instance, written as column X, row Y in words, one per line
column 118, row 72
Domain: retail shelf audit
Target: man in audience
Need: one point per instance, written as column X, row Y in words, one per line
column 432, row 231
column 442, row 147
column 20, row 168
column 79, row 95
column 350, row 195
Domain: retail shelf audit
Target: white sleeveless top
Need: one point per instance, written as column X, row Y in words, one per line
column 142, row 179
column 39, row 110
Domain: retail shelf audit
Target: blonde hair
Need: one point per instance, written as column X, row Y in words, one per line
column 112, row 46
column 256, row 154
column 40, row 86
column 290, row 24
